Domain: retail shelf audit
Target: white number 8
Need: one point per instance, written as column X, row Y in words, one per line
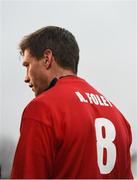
column 105, row 143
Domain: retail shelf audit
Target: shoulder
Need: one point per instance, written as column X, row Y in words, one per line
column 47, row 103
column 37, row 110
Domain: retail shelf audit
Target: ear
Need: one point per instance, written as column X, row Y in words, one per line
column 48, row 58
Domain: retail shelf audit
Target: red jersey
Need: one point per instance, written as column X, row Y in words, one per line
column 72, row 131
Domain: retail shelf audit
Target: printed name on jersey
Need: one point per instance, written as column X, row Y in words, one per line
column 93, row 99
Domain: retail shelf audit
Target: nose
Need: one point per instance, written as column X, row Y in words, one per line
column 27, row 79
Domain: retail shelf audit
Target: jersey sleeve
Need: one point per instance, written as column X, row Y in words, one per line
column 35, row 152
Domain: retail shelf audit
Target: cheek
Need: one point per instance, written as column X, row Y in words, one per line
column 32, row 72
column 36, row 75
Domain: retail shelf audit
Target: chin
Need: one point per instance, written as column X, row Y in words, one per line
column 38, row 93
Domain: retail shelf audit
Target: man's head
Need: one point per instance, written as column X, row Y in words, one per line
column 49, row 52
column 60, row 41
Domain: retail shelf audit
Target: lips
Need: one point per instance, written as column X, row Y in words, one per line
column 33, row 89
column 30, row 85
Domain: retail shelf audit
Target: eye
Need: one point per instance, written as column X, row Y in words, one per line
column 25, row 64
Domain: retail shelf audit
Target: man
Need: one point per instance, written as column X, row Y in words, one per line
column 69, row 130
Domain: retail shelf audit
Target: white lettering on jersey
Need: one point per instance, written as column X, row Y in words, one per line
column 93, row 99
column 105, row 143
column 81, row 98
column 105, row 101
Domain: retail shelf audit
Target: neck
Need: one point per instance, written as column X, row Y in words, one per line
column 60, row 73
column 64, row 73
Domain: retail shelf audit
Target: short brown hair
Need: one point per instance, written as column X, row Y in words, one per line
column 62, row 43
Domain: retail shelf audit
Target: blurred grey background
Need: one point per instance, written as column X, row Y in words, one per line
column 106, row 34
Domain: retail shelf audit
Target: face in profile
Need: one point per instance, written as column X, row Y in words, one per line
column 35, row 73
